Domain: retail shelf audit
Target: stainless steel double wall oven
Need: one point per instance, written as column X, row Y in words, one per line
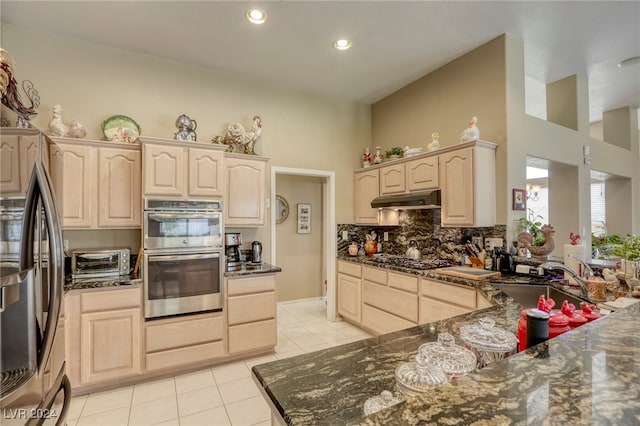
column 183, row 261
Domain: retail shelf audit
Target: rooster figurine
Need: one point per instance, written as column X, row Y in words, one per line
column 471, row 133
column 526, row 239
column 9, row 91
column 57, row 127
column 237, row 136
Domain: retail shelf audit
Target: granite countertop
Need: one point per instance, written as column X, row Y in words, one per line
column 90, row 283
column 586, row 376
column 249, row 269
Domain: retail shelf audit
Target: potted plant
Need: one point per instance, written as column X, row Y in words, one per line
column 533, row 225
column 395, row 152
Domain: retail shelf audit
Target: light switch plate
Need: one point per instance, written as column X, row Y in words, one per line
column 386, row 236
column 345, row 235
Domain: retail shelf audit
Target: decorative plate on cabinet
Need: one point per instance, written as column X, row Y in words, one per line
column 120, row 128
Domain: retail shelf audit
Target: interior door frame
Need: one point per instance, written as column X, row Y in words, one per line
column 329, row 237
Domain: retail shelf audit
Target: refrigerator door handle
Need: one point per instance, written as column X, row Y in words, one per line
column 41, row 189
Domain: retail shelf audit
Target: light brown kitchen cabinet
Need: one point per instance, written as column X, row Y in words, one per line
column 367, row 187
column 350, row 291
column 422, row 174
column 104, row 335
column 467, row 179
column 182, row 170
column 392, row 179
column 245, row 182
column 390, row 300
column 251, row 313
column 180, row 341
column 97, row 184
column 18, row 153
column 440, row 300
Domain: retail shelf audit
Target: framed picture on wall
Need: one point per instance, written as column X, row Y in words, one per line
column 519, row 199
column 304, row 218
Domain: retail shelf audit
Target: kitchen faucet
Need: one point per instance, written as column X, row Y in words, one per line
column 574, row 274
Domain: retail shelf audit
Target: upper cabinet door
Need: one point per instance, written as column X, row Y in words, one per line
column 245, row 181
column 9, row 164
column 78, row 177
column 456, row 178
column 163, row 170
column 205, row 173
column 367, row 187
column 392, row 179
column 422, row 174
column 119, row 197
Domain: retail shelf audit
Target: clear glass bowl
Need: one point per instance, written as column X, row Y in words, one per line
column 416, row 377
column 449, row 357
column 488, row 343
column 380, row 402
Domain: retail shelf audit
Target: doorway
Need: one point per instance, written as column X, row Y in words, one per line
column 327, row 228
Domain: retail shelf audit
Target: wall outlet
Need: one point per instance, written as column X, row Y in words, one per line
column 66, row 245
column 345, row 235
column 386, row 236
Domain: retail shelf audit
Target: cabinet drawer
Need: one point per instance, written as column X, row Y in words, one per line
column 374, row 274
column 251, row 307
column 257, row 335
column 182, row 356
column 436, row 310
column 451, row 293
column 350, row 269
column 403, row 282
column 394, row 301
column 110, row 299
column 381, row 322
column 251, row 284
column 177, row 334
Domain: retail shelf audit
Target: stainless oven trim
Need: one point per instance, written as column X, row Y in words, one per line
column 182, row 305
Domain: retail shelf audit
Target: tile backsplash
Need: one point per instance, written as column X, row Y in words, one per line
column 434, row 241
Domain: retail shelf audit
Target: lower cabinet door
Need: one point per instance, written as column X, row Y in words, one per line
column 381, row 322
column 349, row 297
column 435, row 310
column 252, row 336
column 110, row 345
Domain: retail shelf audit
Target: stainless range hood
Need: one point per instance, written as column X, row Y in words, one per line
column 411, row 201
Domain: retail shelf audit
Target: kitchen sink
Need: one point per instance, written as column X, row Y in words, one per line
column 527, row 295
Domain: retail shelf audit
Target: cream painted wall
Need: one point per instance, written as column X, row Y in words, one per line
column 300, row 255
column 93, row 82
column 444, row 101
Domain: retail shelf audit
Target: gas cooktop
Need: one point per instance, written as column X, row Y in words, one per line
column 406, row 262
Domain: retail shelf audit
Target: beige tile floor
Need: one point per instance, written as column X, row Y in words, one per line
column 216, row 396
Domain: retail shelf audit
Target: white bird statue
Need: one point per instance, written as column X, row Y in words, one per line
column 57, row 127
column 471, row 133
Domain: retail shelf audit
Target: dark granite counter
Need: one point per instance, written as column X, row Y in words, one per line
column 89, row 283
column 248, row 269
column 590, row 375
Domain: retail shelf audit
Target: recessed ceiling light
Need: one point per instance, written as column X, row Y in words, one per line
column 256, row 16
column 629, row 61
column 342, row 44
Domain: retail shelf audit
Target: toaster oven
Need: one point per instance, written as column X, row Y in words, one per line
column 88, row 263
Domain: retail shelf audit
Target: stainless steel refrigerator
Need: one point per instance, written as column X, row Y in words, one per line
column 34, row 387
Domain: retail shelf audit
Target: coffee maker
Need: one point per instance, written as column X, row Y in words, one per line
column 232, row 243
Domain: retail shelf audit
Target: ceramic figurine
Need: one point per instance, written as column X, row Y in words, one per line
column 76, row 130
column 366, row 158
column 471, row 133
column 237, row 137
column 435, row 143
column 57, row 127
column 186, row 129
column 526, row 239
column 378, row 157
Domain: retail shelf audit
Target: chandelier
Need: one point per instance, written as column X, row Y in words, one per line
column 533, row 192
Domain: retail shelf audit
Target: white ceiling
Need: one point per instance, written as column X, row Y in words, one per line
column 394, row 42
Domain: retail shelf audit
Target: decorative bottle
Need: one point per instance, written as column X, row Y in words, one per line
column 366, row 158
column 378, row 157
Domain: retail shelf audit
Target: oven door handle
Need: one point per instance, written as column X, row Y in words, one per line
column 181, row 216
column 161, row 258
